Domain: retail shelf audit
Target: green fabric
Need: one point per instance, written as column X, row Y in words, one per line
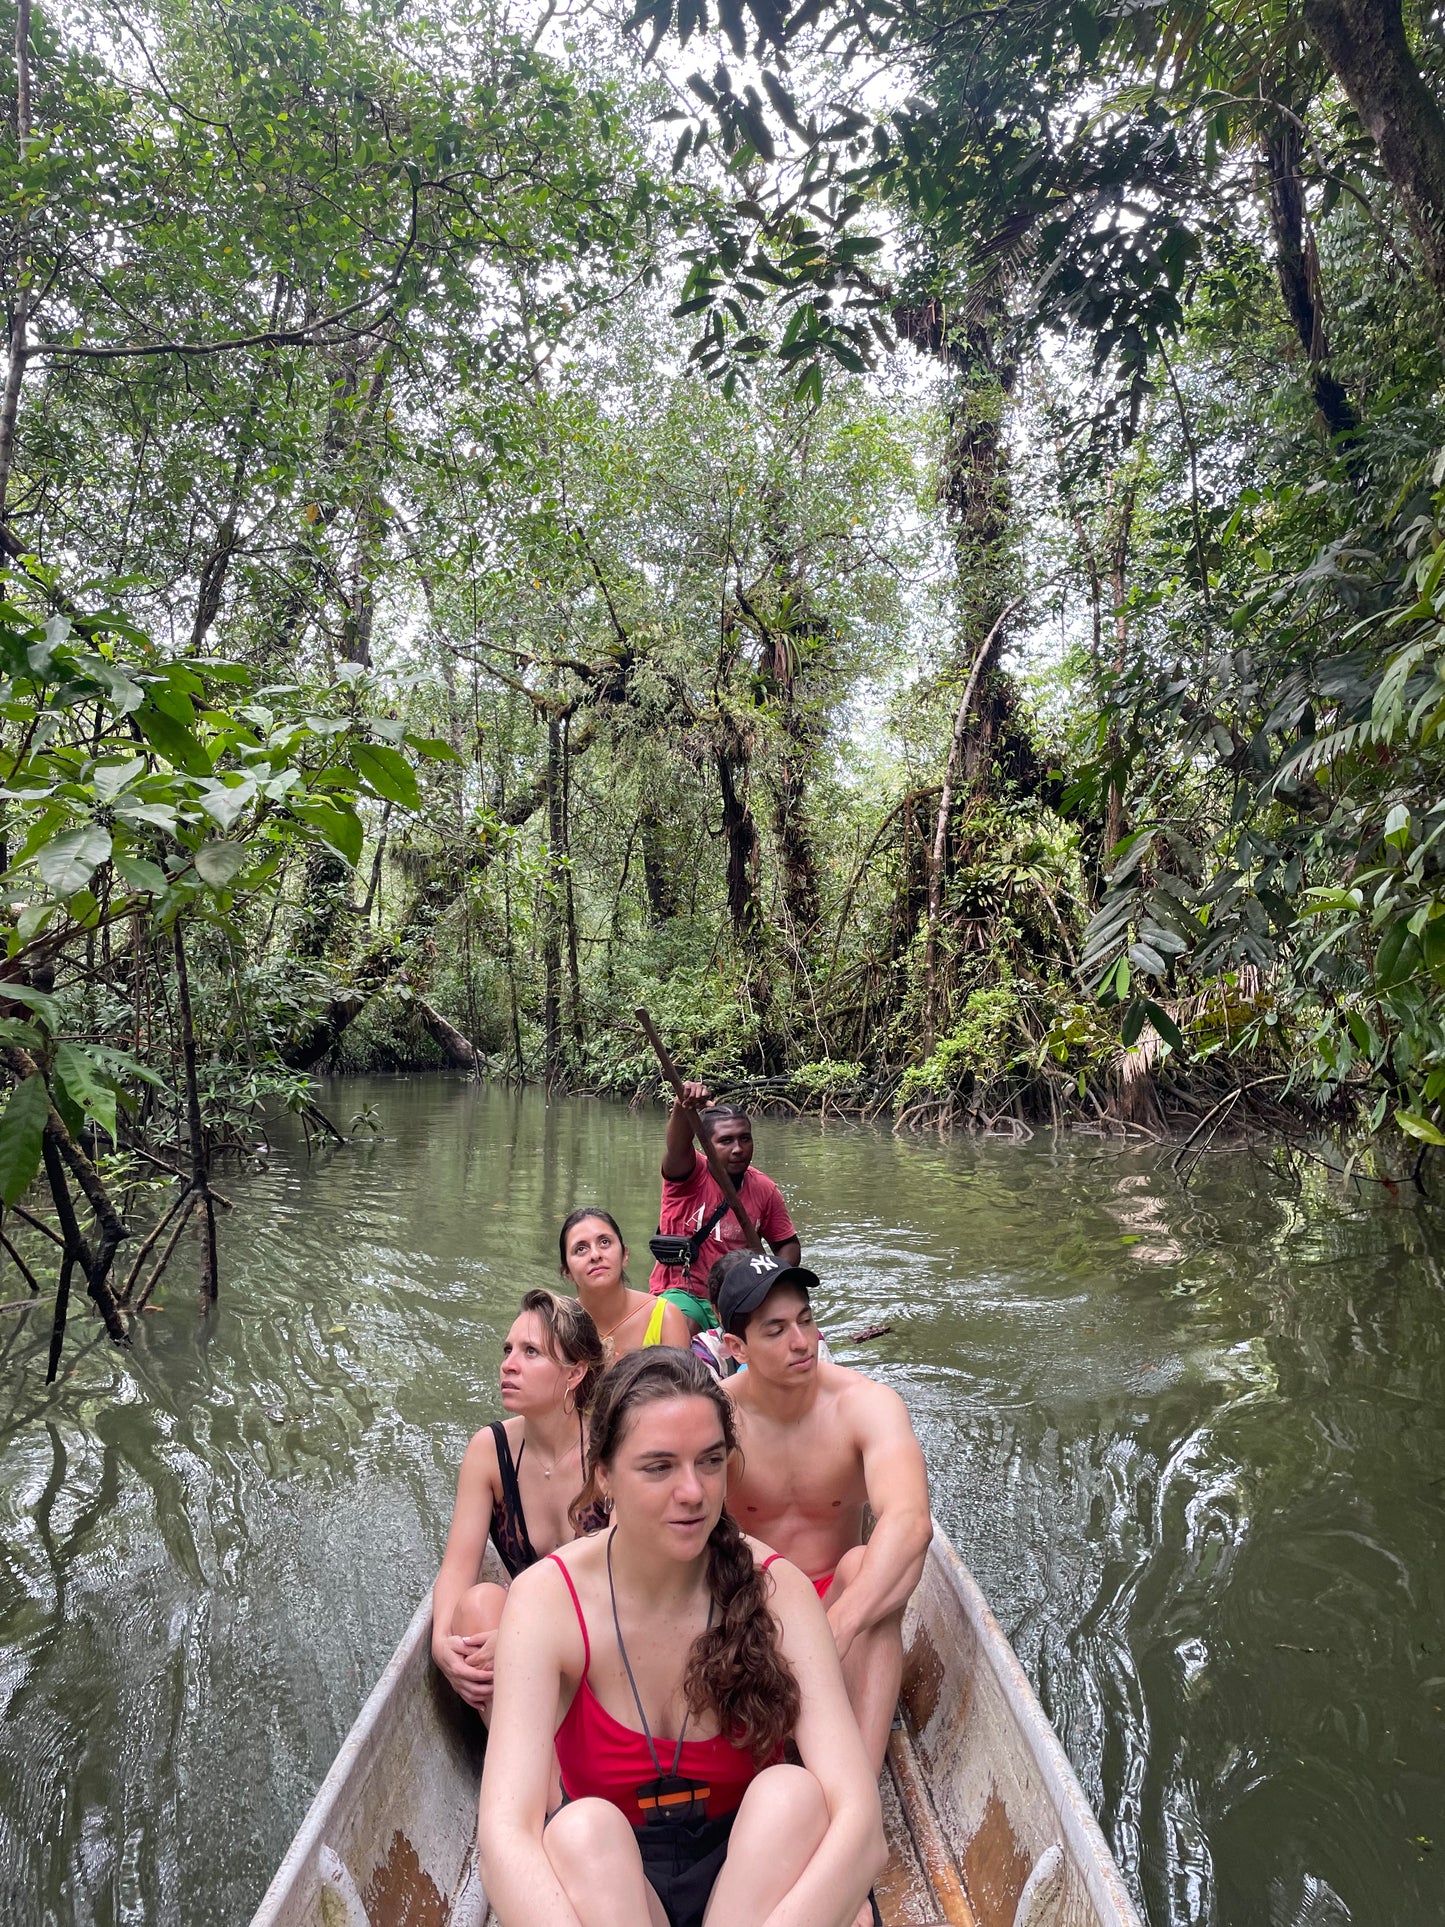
column 691, row 1306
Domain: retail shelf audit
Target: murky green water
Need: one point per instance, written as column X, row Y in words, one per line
column 1193, row 1445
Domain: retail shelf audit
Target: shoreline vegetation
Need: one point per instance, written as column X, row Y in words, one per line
column 944, row 603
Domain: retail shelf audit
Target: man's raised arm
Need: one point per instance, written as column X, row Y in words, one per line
column 678, row 1157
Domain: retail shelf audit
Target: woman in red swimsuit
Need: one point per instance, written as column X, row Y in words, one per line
column 670, row 1664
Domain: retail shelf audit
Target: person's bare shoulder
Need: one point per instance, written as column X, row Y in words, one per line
column 539, row 1601
column 736, row 1388
column 865, row 1406
column 480, row 1456
column 788, row 1583
column 577, row 1555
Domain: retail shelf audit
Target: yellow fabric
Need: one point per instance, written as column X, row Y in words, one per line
column 653, row 1334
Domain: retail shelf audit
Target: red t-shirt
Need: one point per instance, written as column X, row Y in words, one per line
column 688, row 1203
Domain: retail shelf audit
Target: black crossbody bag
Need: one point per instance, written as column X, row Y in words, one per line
column 675, row 1251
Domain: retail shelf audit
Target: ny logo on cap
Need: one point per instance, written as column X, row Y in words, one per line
column 762, row 1263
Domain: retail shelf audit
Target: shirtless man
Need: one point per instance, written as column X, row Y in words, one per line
column 818, row 1443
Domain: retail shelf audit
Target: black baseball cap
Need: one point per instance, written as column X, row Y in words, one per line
column 744, row 1279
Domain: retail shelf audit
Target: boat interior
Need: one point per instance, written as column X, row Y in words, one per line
column 987, row 1825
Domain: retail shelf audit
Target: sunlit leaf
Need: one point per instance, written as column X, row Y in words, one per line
column 109, row 779
column 68, row 863
column 226, row 803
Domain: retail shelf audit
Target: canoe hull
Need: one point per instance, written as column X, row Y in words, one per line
column 1000, row 1784
column 391, row 1835
column 987, row 1825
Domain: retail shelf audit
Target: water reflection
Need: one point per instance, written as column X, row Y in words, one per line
column 1190, row 1441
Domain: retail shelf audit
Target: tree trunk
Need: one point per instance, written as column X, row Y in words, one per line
column 1121, row 536
column 325, row 897
column 551, row 919
column 1297, row 265
column 977, row 492
column 1365, row 44
column 360, row 616
column 15, row 347
column 457, row 1050
column 939, row 847
column 777, row 607
column 510, row 951
column 96, row 1265
column 224, row 544
column 656, row 876
column 798, row 867
column 574, row 966
column 796, row 756
column 741, row 835
column 1135, row 1099
column 323, row 1033
column 213, row 573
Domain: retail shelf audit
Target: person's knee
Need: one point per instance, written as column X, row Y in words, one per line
column 479, row 1610
column 583, row 1837
column 793, row 1802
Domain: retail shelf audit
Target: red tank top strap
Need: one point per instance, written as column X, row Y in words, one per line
column 769, row 1560
column 577, row 1605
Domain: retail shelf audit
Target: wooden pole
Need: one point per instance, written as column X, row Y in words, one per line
column 701, row 1133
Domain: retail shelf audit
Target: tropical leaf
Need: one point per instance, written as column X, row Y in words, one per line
column 140, row 874
column 387, row 772
column 226, row 803
column 219, row 862
column 74, row 1070
column 70, row 861
column 22, row 1129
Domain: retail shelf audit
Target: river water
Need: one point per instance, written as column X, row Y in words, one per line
column 1192, row 1443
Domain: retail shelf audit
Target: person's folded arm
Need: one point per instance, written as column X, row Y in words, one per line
column 462, row 1562
column 853, row 1851
column 896, row 1479
column 516, row 1778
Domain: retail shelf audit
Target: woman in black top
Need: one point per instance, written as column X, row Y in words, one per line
column 517, row 1480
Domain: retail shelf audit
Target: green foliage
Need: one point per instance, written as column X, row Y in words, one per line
column 393, row 612
column 982, row 1043
column 827, row 1079
column 21, row 1129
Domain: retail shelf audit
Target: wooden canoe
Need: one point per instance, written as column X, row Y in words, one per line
column 987, row 1824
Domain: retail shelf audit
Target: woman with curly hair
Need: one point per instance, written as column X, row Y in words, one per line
column 669, row 1657
column 518, row 1481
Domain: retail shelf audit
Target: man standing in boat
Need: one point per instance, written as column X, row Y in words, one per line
column 818, row 1443
column 694, row 1212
